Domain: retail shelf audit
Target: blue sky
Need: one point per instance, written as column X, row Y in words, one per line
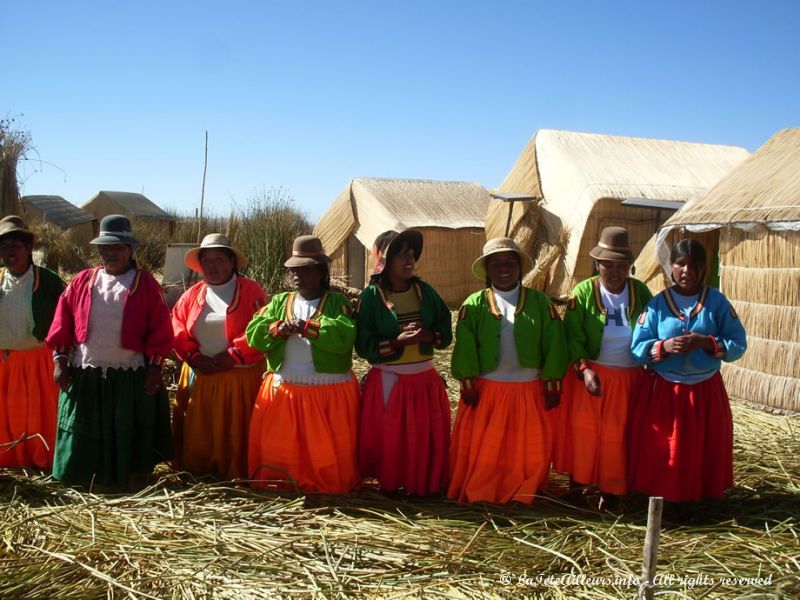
column 305, row 96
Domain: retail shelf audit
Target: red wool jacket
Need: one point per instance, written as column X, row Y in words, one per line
column 247, row 299
column 146, row 326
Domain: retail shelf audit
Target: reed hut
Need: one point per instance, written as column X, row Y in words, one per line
column 78, row 226
column 584, row 182
column 136, row 207
column 751, row 222
column 450, row 214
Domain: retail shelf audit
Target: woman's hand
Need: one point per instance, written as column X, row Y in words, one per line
column 224, row 361
column 152, row 379
column 696, row 341
column 676, row 345
column 288, row 327
column 470, row 397
column 414, row 333
column 61, row 373
column 203, row 364
column 591, row 381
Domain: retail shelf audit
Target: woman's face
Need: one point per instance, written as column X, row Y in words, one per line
column 401, row 266
column 613, row 274
column 686, row 275
column 217, row 265
column 307, row 281
column 503, row 270
column 15, row 255
column 116, row 258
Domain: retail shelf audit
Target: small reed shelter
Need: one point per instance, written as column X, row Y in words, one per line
column 450, row 215
column 750, row 221
column 76, row 225
column 136, row 207
column 583, row 182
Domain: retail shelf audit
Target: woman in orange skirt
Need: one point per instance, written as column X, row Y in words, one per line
column 28, row 395
column 405, row 420
column 599, row 322
column 304, row 424
column 221, row 374
column 510, row 356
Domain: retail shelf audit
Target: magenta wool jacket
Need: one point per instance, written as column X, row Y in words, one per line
column 146, row 325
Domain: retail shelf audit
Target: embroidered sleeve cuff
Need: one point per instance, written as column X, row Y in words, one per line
column 657, row 352
column 236, row 355
column 311, row 329
column 385, row 348
column 273, row 330
column 156, row 361
column 468, row 383
column 552, row 386
column 581, row 365
column 719, row 347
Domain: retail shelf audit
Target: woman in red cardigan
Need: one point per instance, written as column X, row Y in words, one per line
column 221, row 374
column 110, row 333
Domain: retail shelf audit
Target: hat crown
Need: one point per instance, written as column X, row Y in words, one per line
column 614, row 238
column 215, row 239
column 115, row 224
column 499, row 244
column 307, row 245
column 14, row 223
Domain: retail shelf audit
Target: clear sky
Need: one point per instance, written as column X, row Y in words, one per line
column 305, row 96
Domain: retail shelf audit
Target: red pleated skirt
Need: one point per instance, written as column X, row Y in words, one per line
column 681, row 440
column 405, row 445
column 28, row 409
column 306, row 432
column 598, row 425
column 501, row 447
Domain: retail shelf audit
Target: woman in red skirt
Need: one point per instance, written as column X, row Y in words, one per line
column 405, row 418
column 681, row 445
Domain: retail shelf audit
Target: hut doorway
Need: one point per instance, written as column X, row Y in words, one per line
column 355, row 262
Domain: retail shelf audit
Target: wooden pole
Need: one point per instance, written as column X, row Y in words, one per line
column 508, row 221
column 647, row 588
column 203, row 191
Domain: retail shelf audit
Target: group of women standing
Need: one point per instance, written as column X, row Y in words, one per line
column 267, row 392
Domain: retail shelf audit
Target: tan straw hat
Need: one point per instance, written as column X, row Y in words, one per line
column 212, row 240
column 613, row 245
column 15, row 224
column 494, row 246
column 306, row 251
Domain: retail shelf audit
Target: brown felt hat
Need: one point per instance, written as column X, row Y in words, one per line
column 391, row 241
column 613, row 245
column 306, row 251
column 15, row 224
column 212, row 240
column 494, row 246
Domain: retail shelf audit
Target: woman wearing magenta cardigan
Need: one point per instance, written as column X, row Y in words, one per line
column 110, row 334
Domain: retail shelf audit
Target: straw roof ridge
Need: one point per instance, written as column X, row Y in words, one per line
column 139, row 205
column 57, row 210
column 764, row 189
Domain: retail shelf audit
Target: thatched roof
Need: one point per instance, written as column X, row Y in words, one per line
column 571, row 172
column 57, row 210
column 763, row 189
column 137, row 205
column 369, row 206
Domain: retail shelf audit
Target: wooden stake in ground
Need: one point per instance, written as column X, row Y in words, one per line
column 646, row 589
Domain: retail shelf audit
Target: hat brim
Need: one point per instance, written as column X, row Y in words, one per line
column 599, row 253
column 107, row 239
column 21, row 232
column 192, row 258
column 479, row 266
column 307, row 261
column 411, row 237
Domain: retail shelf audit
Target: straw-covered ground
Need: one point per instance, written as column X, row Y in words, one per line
column 186, row 538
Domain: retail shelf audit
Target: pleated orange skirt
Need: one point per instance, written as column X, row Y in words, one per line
column 211, row 420
column 597, row 427
column 405, row 443
column 28, row 409
column 681, row 440
column 561, row 454
column 500, row 449
column 307, row 433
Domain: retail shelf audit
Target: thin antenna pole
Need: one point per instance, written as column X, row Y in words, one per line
column 203, row 191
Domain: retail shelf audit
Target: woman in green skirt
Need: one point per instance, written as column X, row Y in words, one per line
column 110, row 335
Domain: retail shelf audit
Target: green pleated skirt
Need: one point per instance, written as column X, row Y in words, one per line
column 109, row 429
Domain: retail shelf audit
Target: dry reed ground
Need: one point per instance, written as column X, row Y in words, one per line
column 187, row 538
